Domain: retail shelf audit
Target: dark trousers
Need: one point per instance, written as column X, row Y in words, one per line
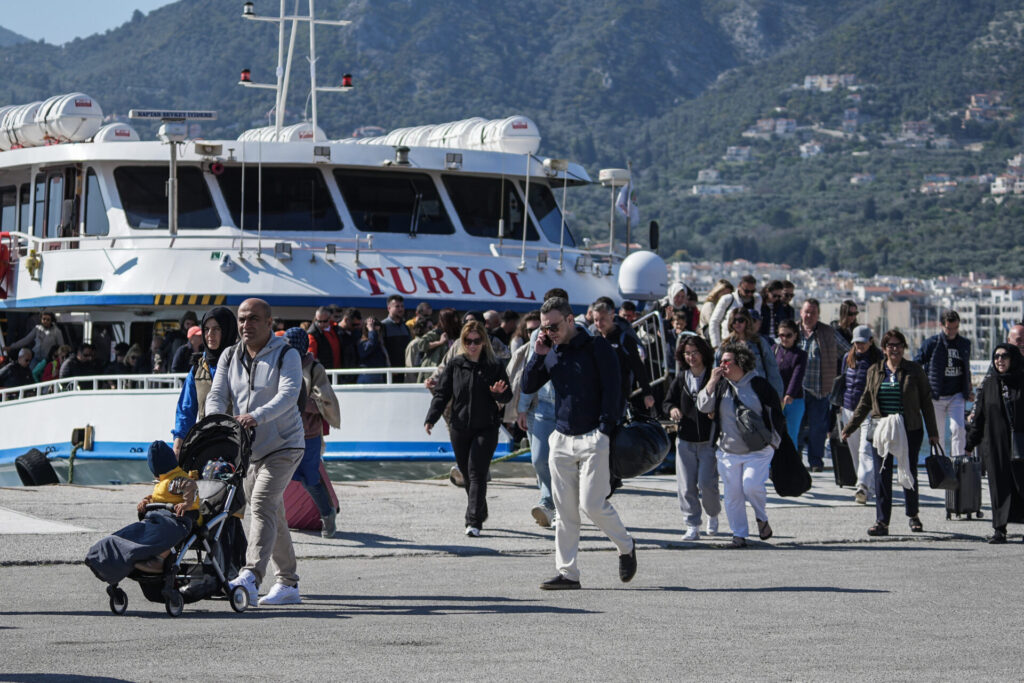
column 883, row 479
column 816, row 413
column 474, row 449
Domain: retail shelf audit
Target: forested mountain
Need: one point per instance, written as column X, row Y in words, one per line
column 665, row 84
column 10, row 38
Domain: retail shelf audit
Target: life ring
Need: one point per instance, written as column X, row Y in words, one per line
column 35, row 469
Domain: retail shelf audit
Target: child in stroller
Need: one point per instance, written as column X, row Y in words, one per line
column 152, row 553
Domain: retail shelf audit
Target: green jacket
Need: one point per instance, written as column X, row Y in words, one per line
column 914, row 390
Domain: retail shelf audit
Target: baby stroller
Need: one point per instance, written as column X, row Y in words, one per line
column 217, row 538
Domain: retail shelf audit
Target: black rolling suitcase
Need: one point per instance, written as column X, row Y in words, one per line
column 843, row 468
column 966, row 498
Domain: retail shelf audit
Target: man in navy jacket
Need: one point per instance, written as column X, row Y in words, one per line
column 585, row 378
column 946, row 358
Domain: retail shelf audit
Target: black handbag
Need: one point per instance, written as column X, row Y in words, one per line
column 1016, row 446
column 637, row 447
column 941, row 473
column 835, row 396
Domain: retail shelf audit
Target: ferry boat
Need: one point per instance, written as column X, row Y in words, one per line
column 463, row 214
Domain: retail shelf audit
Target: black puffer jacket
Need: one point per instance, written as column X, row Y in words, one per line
column 695, row 427
column 468, row 386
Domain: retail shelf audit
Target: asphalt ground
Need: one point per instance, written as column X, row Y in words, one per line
column 402, row 594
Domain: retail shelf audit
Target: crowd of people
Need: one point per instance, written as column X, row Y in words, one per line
column 753, row 381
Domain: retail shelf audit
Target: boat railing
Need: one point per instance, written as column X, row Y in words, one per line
column 172, row 382
column 327, row 247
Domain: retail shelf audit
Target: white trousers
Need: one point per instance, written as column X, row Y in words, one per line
column 581, row 480
column 860, row 448
column 744, row 478
column 950, row 409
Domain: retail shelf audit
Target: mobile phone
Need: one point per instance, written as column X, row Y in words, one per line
column 546, row 341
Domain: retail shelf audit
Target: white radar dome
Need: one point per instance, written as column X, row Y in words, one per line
column 643, row 275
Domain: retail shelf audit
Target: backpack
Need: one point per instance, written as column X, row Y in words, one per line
column 300, row 403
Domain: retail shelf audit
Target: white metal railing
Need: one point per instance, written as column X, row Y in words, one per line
column 658, row 358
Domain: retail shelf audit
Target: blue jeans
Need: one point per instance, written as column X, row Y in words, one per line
column 817, row 428
column 540, row 429
column 308, row 474
column 794, row 414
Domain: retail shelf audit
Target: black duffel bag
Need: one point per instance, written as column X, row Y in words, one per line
column 639, row 445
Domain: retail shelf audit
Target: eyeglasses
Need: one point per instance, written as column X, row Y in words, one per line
column 473, row 341
column 894, row 347
column 323, row 321
column 747, row 292
column 1001, row 356
column 553, row 327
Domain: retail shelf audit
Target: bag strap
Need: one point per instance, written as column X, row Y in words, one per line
column 937, row 450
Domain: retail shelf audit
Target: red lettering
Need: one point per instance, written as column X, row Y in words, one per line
column 514, row 277
column 462, row 278
column 372, row 279
column 433, row 277
column 500, row 284
column 397, row 278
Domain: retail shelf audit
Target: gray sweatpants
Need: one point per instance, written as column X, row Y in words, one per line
column 697, row 480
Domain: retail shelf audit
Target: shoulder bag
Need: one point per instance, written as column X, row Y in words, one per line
column 941, row 473
column 755, row 433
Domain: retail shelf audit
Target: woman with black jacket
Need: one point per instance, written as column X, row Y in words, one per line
column 998, row 419
column 475, row 383
column 696, row 470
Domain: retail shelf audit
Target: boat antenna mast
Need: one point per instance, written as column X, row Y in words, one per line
column 280, row 88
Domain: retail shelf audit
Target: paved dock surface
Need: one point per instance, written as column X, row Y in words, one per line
column 402, row 594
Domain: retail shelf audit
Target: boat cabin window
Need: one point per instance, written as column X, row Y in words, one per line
column 294, row 198
column 546, row 211
column 24, row 204
column 142, row 190
column 9, row 208
column 96, row 222
column 382, row 201
column 482, row 202
column 39, row 208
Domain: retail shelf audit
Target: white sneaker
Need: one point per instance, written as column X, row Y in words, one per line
column 692, row 533
column 455, row 477
column 543, row 516
column 712, row 527
column 472, row 531
column 281, row 594
column 248, row 579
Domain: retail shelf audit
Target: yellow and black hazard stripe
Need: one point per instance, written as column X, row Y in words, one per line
column 189, row 299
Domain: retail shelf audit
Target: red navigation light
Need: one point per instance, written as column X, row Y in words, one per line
column 216, row 168
column 246, row 76
column 346, row 81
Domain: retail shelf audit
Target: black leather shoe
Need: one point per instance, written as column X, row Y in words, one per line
column 560, row 583
column 737, row 542
column 879, row 529
column 997, row 538
column 627, row 565
column 817, row 468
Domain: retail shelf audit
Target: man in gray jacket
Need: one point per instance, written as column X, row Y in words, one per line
column 258, row 381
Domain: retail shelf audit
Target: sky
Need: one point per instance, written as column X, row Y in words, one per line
column 65, row 20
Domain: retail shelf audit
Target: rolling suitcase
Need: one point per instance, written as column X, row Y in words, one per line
column 843, row 468
column 966, row 498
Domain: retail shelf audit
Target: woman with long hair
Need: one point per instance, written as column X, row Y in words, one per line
column 721, row 288
column 861, row 356
column 696, row 471
column 220, row 331
column 743, row 331
column 433, row 345
column 898, row 398
column 475, row 382
column 998, row 422
column 792, row 363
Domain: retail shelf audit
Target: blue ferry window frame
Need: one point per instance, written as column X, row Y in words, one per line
column 383, row 201
column 295, row 199
column 548, row 213
column 95, row 213
column 478, row 201
column 195, row 205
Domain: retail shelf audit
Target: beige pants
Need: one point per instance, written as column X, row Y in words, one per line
column 580, row 480
column 269, row 538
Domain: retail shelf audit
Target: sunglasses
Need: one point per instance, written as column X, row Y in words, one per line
column 1002, row 356
column 746, row 292
column 473, row 341
column 550, row 328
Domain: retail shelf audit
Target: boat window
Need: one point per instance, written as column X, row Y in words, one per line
column 479, row 203
column 40, row 204
column 393, row 202
column 9, row 208
column 23, row 205
column 294, row 198
column 145, row 201
column 546, row 211
column 54, row 202
column 96, row 222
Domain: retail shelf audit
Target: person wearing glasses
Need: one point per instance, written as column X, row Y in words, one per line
column 824, row 347
column 721, row 289
column 773, row 311
column 998, row 421
column 82, row 364
column 585, row 377
column 792, row 362
column 744, row 468
column 858, row 361
column 696, row 471
column 475, row 382
column 899, row 400
column 323, row 339
column 946, row 358
column 848, row 312
column 742, row 330
column 745, row 296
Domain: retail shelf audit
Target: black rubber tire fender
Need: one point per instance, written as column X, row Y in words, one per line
column 34, row 469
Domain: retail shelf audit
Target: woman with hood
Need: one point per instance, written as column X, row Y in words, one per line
column 220, row 330
column 998, row 424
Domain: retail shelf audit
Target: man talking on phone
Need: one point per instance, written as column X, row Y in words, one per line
column 585, row 378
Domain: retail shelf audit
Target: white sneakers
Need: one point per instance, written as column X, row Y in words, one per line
column 712, row 527
column 248, row 579
column 692, row 533
column 472, row 531
column 544, row 516
column 281, row 594
column 455, row 477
